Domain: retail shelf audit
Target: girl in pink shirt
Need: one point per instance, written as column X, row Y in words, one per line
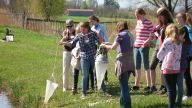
column 170, row 55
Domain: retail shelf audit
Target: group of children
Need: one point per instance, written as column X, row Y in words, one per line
column 172, row 52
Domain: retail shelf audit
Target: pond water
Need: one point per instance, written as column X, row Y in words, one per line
column 4, row 101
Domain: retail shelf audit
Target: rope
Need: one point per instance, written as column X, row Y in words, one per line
column 53, row 71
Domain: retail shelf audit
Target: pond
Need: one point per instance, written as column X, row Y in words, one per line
column 4, row 101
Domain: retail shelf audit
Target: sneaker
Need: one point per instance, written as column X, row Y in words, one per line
column 135, row 88
column 74, row 92
column 162, row 87
column 64, row 89
column 185, row 98
column 153, row 88
column 107, row 94
column 82, row 97
column 161, row 92
column 146, row 88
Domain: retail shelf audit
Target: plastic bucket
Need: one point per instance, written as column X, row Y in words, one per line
column 9, row 38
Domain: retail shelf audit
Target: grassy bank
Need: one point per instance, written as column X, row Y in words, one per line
column 27, row 63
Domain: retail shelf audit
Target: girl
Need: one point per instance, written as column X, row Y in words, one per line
column 124, row 61
column 164, row 18
column 75, row 62
column 143, row 30
column 88, row 41
column 170, row 55
column 180, row 19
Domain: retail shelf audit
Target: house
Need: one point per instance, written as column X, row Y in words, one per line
column 80, row 12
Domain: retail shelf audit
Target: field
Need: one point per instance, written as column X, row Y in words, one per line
column 28, row 62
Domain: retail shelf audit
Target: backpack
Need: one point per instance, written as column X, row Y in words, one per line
column 190, row 37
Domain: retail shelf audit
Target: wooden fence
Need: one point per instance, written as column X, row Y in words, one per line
column 53, row 27
column 7, row 19
column 56, row 27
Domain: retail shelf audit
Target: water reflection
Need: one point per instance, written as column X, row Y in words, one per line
column 4, row 101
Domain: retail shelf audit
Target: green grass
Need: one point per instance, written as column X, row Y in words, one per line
column 27, row 63
column 84, row 18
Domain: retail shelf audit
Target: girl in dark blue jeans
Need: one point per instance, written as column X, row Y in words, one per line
column 124, row 61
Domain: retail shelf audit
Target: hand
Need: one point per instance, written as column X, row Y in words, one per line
column 102, row 45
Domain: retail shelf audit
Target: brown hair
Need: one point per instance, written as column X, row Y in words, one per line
column 140, row 11
column 122, row 25
column 93, row 17
column 181, row 15
column 188, row 19
column 172, row 32
column 85, row 25
column 166, row 14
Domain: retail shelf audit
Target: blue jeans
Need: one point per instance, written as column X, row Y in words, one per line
column 180, row 88
column 141, row 53
column 75, row 78
column 170, row 82
column 188, row 80
column 125, row 98
column 85, row 66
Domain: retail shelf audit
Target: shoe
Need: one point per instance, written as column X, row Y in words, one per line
column 74, row 92
column 162, row 87
column 107, row 94
column 185, row 98
column 135, row 88
column 161, row 92
column 153, row 88
column 82, row 97
column 147, row 88
column 64, row 89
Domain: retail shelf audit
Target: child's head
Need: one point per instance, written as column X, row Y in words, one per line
column 139, row 13
column 172, row 32
column 122, row 25
column 181, row 19
column 164, row 16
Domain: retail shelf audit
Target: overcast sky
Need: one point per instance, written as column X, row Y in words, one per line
column 125, row 3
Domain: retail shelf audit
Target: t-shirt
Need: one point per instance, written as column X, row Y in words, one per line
column 143, row 30
column 124, row 42
column 100, row 27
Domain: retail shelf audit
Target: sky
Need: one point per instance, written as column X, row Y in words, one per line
column 124, row 3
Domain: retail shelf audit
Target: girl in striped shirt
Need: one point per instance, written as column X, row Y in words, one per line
column 143, row 30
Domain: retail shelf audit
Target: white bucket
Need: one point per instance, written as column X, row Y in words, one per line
column 50, row 88
column 101, row 68
column 9, row 38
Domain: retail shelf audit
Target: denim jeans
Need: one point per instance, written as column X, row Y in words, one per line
column 91, row 78
column 141, row 53
column 85, row 65
column 170, row 82
column 75, row 78
column 188, row 80
column 180, row 88
column 125, row 98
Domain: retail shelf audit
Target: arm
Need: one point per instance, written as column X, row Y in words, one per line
column 109, row 46
column 100, row 36
column 163, row 51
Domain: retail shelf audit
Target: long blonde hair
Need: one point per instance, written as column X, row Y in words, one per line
column 172, row 32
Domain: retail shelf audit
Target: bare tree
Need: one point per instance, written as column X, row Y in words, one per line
column 171, row 4
column 187, row 5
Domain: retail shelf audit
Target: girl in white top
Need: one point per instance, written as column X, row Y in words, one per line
column 170, row 55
